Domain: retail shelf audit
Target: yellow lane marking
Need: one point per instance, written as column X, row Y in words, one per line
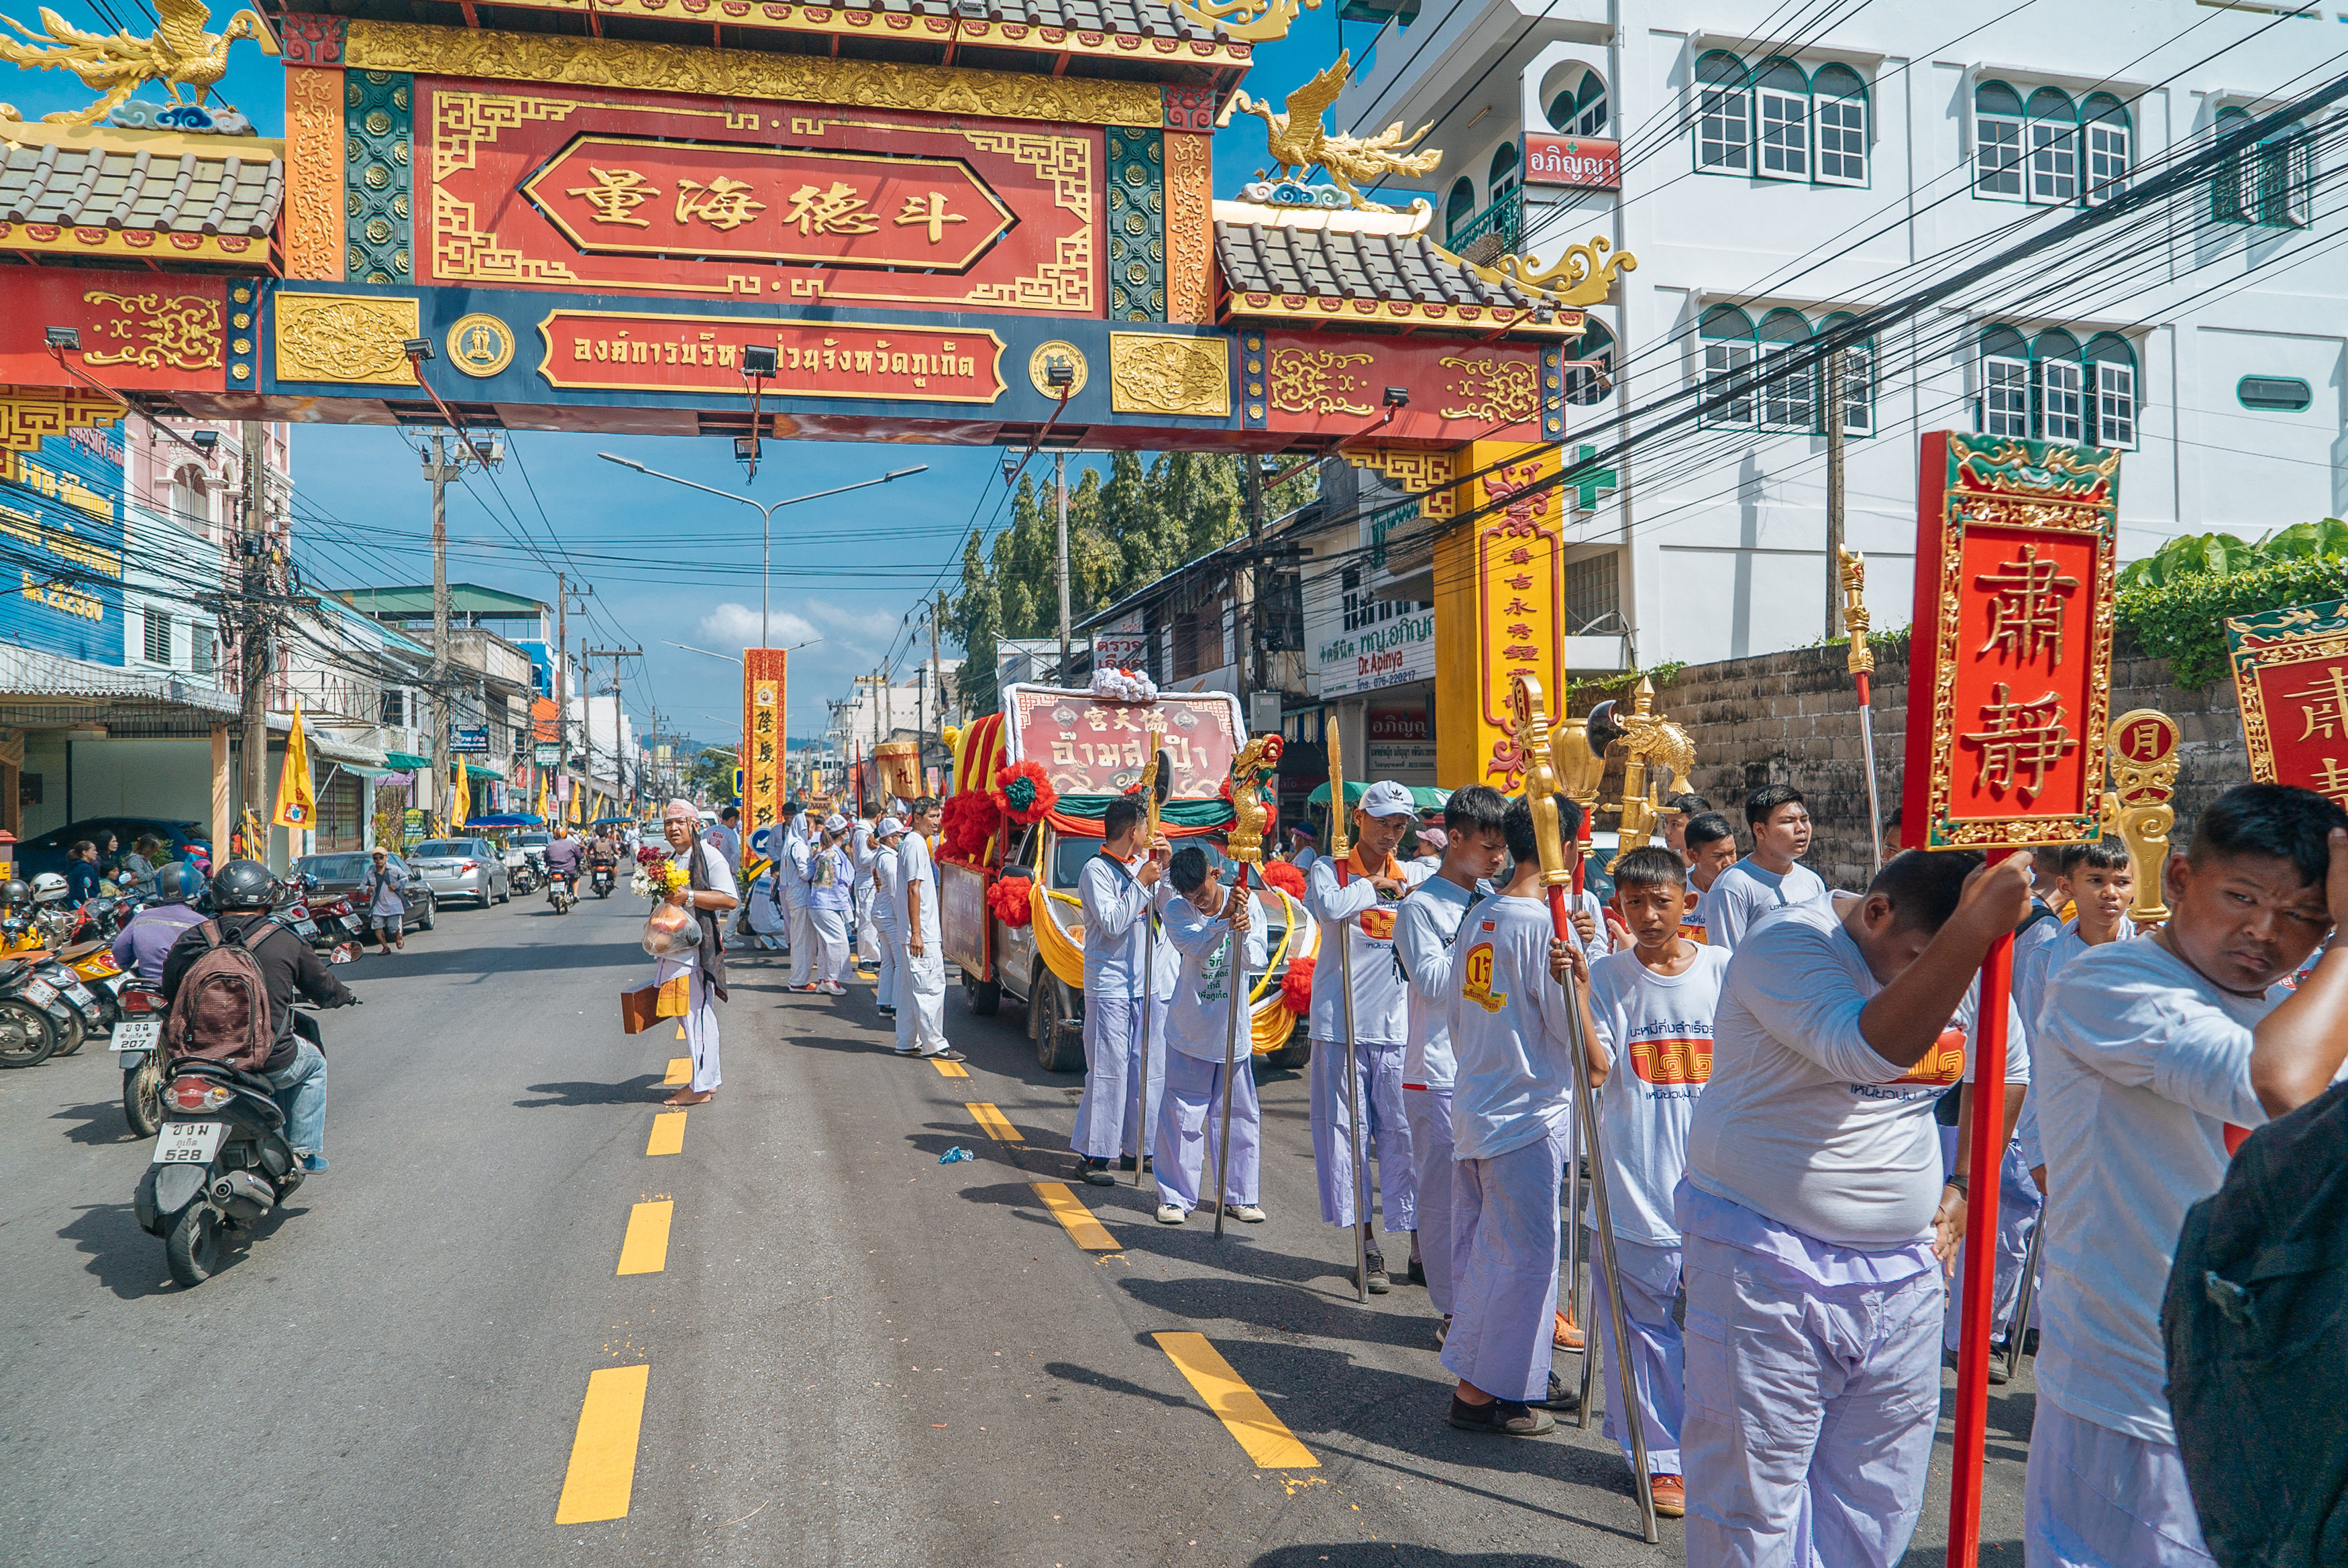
column 950, row 1069
column 680, row 1070
column 1083, row 1229
column 668, row 1133
column 602, row 1469
column 1240, row 1409
column 680, row 1031
column 646, row 1250
column 997, row 1125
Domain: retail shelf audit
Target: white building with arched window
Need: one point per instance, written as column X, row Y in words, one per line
column 1775, row 187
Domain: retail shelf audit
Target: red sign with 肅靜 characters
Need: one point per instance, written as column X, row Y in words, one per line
column 2290, row 673
column 2011, row 655
column 587, row 189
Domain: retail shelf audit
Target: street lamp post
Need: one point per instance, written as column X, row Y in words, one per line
column 765, row 515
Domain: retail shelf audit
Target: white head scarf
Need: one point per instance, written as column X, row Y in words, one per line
column 682, row 807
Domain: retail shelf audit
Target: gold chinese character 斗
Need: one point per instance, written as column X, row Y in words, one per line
column 2018, row 738
column 616, row 193
column 2025, row 612
column 723, row 203
column 928, row 209
column 2327, row 714
column 839, row 210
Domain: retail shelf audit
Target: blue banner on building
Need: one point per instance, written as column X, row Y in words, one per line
column 61, row 544
column 541, row 666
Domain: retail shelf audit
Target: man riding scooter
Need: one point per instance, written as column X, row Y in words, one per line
column 142, row 946
column 602, row 861
column 242, row 893
column 562, row 856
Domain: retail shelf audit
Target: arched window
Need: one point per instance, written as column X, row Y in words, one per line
column 1726, row 333
column 2061, row 386
column 2104, row 120
column 2269, row 183
column 1581, row 108
column 2112, row 364
column 1997, row 141
column 1505, row 170
column 191, row 499
column 1459, row 207
column 1838, row 98
column 1781, row 94
column 1724, row 115
column 1789, row 389
column 2053, row 138
column 1585, row 386
column 1857, row 379
column 2005, row 382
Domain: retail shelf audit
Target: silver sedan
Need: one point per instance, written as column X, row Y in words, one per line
column 461, row 868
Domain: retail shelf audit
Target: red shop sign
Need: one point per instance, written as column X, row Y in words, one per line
column 1577, row 162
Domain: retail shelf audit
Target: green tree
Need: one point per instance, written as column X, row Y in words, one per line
column 977, row 622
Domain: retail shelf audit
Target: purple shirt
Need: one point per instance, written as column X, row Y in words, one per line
column 139, row 947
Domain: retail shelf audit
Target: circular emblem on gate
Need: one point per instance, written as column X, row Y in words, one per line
column 1055, row 353
column 481, row 345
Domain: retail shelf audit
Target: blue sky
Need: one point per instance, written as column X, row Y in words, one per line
column 668, row 565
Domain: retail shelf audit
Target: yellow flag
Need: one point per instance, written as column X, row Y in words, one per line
column 460, row 796
column 542, row 797
column 297, row 803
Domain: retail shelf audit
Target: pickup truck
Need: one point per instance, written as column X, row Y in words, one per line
column 1000, row 958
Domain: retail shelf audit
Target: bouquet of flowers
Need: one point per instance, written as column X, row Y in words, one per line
column 656, row 875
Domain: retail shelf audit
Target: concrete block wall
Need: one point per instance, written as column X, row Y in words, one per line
column 1793, row 718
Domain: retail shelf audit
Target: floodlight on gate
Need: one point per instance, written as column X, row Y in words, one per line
column 204, row 440
column 1398, row 396
column 745, row 448
column 63, row 337
column 758, row 359
column 418, row 349
column 1059, row 374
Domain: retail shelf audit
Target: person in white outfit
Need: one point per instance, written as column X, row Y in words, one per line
column 1117, row 888
column 922, row 985
column 709, row 893
column 831, row 901
column 792, row 865
column 862, row 851
column 1769, row 878
column 1201, row 921
column 888, row 911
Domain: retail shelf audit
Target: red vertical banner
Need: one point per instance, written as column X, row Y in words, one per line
column 2008, row 695
column 763, row 705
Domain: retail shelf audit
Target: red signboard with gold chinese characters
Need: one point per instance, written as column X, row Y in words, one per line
column 765, row 702
column 1089, row 746
column 2290, row 671
column 2009, row 673
column 588, row 189
column 139, row 330
column 1500, row 608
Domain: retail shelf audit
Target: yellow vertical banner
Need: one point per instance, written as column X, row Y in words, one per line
column 461, row 793
column 298, row 804
column 1500, row 608
column 765, row 702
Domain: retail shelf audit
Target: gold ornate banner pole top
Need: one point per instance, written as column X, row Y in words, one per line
column 1244, row 844
column 1149, row 782
column 1854, row 611
column 1541, row 783
column 1340, row 846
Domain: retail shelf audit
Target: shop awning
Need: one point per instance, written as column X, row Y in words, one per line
column 1424, row 796
column 407, row 761
column 363, row 760
column 481, row 771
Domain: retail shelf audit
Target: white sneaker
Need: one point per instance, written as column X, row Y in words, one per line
column 1246, row 1214
column 1167, row 1214
column 833, row 988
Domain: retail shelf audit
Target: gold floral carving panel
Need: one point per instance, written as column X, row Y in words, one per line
column 675, row 67
column 157, row 331
column 1481, row 386
column 314, row 174
column 1148, row 373
column 344, row 338
column 1190, row 229
column 1319, row 381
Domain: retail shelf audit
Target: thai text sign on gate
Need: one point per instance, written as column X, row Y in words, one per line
column 763, row 703
column 2290, row 671
column 2011, row 671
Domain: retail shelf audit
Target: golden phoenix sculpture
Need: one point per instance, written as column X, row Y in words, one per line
column 1298, row 140
column 180, row 53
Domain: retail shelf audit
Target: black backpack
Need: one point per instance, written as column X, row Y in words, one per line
column 2256, row 1322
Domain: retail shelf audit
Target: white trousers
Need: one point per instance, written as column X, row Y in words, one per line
column 803, row 944
column 1810, row 1412
column 1504, row 1305
column 1385, row 1131
column 1190, row 1129
column 1105, row 1116
column 1429, row 1114
column 831, row 944
column 2095, row 1498
column 700, row 1023
column 1651, row 1281
column 867, row 932
column 892, row 964
column 921, row 1001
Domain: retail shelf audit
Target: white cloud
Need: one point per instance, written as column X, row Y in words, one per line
column 732, row 626
column 835, row 628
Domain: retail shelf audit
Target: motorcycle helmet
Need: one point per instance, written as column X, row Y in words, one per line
column 176, row 884
column 14, row 892
column 49, row 887
column 245, row 885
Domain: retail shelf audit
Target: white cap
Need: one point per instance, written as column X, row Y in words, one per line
column 1386, row 798
column 889, row 827
column 835, row 823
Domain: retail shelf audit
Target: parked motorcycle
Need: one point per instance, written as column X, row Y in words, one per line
column 29, row 1031
column 138, row 1050
column 221, row 1163
column 561, row 892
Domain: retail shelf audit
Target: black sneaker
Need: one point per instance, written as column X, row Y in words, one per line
column 1378, row 1281
column 1501, row 1418
column 1558, row 1397
column 1096, row 1173
column 1418, row 1271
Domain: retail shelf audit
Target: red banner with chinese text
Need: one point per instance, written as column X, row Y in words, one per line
column 1089, row 746
column 2290, row 671
column 765, row 704
column 2010, row 674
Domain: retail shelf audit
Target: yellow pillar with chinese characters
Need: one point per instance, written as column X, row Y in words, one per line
column 1500, row 608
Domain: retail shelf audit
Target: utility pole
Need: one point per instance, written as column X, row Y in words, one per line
column 619, row 752
column 562, row 687
column 260, row 623
column 440, row 471
column 1060, row 495
column 1834, row 494
column 1251, row 668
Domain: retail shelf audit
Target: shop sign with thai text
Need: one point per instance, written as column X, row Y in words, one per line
column 1576, row 162
column 812, row 359
column 1385, row 652
column 1090, row 747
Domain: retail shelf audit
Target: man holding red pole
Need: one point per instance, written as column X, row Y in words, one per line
column 1814, row 1227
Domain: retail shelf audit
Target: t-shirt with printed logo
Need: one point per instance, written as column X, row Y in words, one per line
column 1658, row 1029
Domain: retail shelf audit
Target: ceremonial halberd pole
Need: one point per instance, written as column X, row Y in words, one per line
column 1245, row 845
column 1339, row 847
column 2009, row 686
column 1157, row 779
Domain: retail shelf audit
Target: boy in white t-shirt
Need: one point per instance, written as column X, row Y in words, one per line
column 1199, row 921
column 1653, row 1002
column 1772, row 877
column 1812, row 1230
column 1711, row 849
column 2148, row 1050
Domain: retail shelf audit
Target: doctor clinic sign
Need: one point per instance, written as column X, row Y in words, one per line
column 763, row 704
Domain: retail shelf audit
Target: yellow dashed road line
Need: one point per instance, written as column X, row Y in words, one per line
column 668, row 1133
column 1264, row 1436
column 950, row 1069
column 680, row 1070
column 680, row 1031
column 646, row 1250
column 602, row 1472
column 1083, row 1229
column 996, row 1124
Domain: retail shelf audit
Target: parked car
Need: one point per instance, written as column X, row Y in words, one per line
column 48, row 852
column 463, row 868
column 340, row 875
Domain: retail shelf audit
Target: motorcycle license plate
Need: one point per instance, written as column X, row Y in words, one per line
column 188, row 1142
column 137, row 1034
column 40, row 993
column 81, row 995
column 305, row 928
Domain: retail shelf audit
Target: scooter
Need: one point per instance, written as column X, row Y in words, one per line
column 561, row 891
column 137, row 1047
column 601, row 879
column 29, row 1030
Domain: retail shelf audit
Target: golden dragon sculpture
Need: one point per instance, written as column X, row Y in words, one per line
column 180, row 53
column 1298, row 140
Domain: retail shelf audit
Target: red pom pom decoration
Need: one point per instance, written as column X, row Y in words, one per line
column 969, row 820
column 1296, row 986
column 1279, row 873
column 1010, row 900
column 1024, row 794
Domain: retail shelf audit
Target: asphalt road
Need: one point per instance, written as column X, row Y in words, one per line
column 846, row 1354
